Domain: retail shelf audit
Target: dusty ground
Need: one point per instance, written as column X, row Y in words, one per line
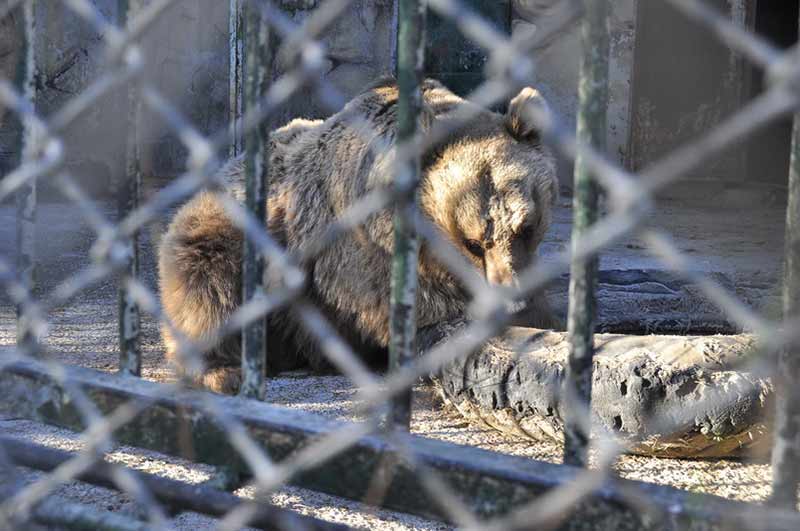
column 84, row 333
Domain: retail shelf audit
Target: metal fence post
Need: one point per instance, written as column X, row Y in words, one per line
column 235, row 75
column 403, row 314
column 257, row 59
column 30, row 140
column 130, row 358
column 786, row 449
column 593, row 97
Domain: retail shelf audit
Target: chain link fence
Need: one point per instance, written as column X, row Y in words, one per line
column 375, row 459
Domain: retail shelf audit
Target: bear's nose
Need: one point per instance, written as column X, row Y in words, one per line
column 500, row 277
column 499, row 271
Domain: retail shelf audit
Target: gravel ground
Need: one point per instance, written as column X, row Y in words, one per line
column 84, row 333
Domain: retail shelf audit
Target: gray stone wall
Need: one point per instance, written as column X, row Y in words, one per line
column 187, row 60
column 9, row 55
column 69, row 57
column 360, row 47
column 558, row 65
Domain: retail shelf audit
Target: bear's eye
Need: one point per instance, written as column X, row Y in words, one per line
column 474, row 247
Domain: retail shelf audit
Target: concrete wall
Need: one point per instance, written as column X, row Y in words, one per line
column 9, row 55
column 187, row 60
column 684, row 89
column 360, row 46
column 453, row 58
column 558, row 66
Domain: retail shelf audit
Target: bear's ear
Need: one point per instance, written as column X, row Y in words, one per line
column 521, row 113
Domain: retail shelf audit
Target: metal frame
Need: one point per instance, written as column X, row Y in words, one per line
column 490, row 484
column 129, row 190
column 403, row 316
column 429, row 478
column 26, row 194
column 257, row 65
column 593, row 94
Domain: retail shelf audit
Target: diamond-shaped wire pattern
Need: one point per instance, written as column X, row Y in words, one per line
column 106, row 408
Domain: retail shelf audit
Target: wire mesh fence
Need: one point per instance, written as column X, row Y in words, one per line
column 470, row 488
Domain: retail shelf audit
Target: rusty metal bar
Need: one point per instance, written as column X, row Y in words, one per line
column 786, row 449
column 403, row 312
column 593, row 98
column 235, row 75
column 176, row 494
column 62, row 514
column 128, row 191
column 490, row 483
column 29, row 139
column 257, row 60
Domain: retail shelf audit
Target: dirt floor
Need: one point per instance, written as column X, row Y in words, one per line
column 742, row 242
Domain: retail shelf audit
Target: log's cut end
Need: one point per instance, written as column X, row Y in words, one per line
column 667, row 396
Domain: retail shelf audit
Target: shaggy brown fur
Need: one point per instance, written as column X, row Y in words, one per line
column 489, row 188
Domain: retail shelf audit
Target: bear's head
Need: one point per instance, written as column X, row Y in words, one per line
column 491, row 186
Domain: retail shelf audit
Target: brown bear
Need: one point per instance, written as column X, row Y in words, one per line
column 489, row 187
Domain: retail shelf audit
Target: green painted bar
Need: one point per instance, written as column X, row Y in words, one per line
column 591, row 131
column 235, row 76
column 257, row 59
column 786, row 449
column 128, row 192
column 403, row 313
column 26, row 195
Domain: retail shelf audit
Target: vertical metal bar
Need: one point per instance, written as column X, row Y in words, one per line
column 30, row 141
column 591, row 131
column 786, row 449
column 403, row 312
column 257, row 61
column 130, row 357
column 235, row 75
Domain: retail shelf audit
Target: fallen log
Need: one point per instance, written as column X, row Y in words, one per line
column 668, row 396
